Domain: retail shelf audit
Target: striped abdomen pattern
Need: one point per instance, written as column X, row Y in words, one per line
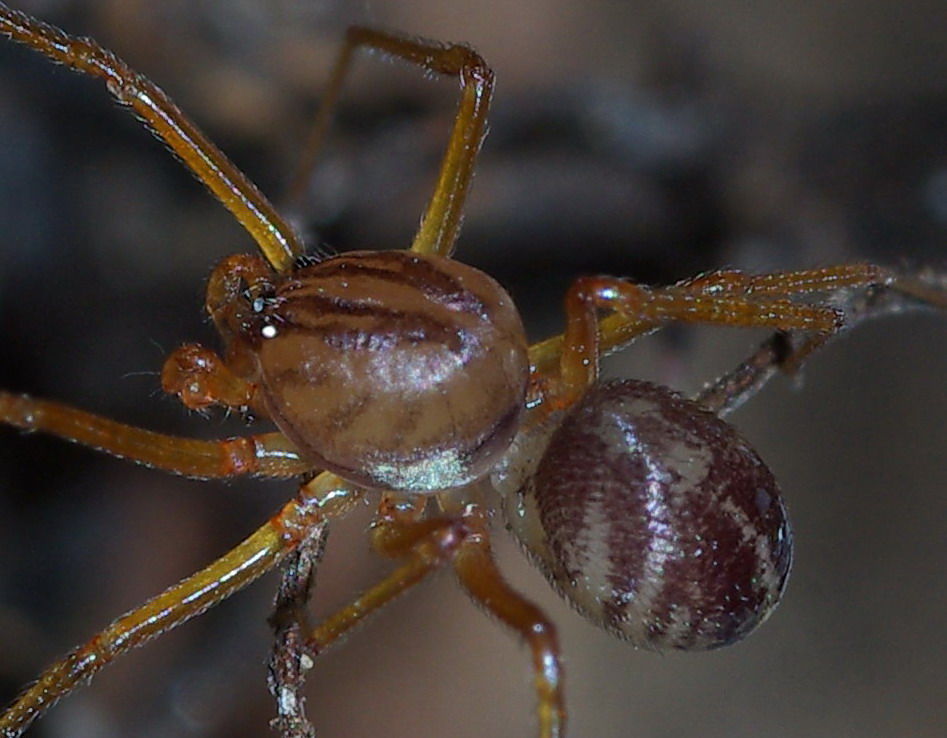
column 656, row 519
column 394, row 369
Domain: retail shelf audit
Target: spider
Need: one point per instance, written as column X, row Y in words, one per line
column 405, row 377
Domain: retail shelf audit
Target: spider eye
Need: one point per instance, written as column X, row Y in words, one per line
column 657, row 521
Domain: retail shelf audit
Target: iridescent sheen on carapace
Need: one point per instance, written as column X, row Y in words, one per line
column 393, row 369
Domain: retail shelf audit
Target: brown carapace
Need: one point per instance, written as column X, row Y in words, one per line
column 406, row 376
column 443, row 342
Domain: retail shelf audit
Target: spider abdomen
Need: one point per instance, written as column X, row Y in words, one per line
column 658, row 521
column 394, row 369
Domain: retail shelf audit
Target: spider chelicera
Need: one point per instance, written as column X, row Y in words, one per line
column 405, row 376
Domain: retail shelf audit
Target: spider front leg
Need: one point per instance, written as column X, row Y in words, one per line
column 324, row 498
column 442, row 220
column 241, row 197
column 266, row 455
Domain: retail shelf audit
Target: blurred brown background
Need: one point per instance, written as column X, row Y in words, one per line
column 653, row 140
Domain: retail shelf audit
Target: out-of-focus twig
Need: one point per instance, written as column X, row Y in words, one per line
column 289, row 661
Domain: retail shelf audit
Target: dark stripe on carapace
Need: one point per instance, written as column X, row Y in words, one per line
column 401, row 268
column 357, row 325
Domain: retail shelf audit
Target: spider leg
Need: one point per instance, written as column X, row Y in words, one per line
column 787, row 352
column 720, row 298
column 399, row 532
column 645, row 309
column 265, row 455
column 442, row 219
column 479, row 575
column 615, row 331
column 321, row 499
column 273, row 235
column 461, row 537
column 781, row 284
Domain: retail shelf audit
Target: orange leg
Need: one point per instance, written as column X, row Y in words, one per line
column 273, row 235
column 618, row 330
column 442, row 219
column 721, row 298
column 423, row 545
column 463, row 538
column 787, row 352
column 479, row 575
column 323, row 498
column 727, row 301
column 265, row 455
column 782, row 284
